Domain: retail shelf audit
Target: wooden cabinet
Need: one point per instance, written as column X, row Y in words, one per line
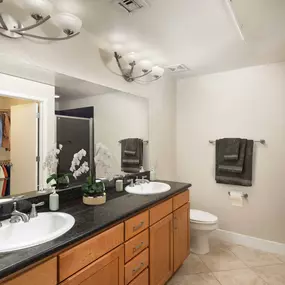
column 83, row 254
column 181, row 236
column 108, row 270
column 44, row 274
column 161, row 251
column 143, row 250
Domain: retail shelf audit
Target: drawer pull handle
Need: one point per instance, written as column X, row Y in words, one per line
column 136, row 270
column 137, row 247
column 135, row 228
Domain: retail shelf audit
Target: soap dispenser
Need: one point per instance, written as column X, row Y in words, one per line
column 152, row 174
column 54, row 201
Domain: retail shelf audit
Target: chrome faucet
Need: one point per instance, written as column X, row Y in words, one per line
column 17, row 216
column 142, row 180
column 34, row 212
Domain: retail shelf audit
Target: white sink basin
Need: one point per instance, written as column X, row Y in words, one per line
column 148, row 188
column 44, row 228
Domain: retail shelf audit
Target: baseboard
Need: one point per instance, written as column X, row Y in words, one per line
column 249, row 241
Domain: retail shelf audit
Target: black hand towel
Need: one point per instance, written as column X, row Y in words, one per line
column 232, row 149
column 244, row 178
column 231, row 165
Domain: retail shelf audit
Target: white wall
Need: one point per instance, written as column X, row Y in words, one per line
column 79, row 57
column 21, row 88
column 117, row 116
column 247, row 103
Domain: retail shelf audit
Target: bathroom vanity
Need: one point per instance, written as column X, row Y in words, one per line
column 133, row 239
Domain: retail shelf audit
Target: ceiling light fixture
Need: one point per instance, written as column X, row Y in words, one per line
column 235, row 19
column 40, row 11
column 132, row 68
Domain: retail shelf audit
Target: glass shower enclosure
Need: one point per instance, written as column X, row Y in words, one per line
column 74, row 134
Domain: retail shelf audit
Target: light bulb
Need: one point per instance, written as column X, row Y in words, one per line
column 69, row 23
column 41, row 8
column 130, row 57
column 157, row 71
column 145, row 65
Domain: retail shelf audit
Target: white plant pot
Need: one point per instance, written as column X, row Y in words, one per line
column 93, row 201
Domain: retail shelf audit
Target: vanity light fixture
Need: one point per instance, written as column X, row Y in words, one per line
column 40, row 11
column 132, row 69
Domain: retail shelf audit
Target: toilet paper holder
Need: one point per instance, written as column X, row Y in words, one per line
column 244, row 195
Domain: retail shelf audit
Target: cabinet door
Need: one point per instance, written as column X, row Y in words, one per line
column 161, row 251
column 108, row 270
column 181, row 235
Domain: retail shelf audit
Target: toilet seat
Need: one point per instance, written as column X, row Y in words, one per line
column 201, row 217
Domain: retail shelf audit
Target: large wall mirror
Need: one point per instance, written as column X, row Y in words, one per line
column 99, row 120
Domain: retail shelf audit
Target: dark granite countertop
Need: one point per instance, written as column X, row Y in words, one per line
column 89, row 220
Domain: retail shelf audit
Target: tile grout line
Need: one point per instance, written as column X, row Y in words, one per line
column 210, row 271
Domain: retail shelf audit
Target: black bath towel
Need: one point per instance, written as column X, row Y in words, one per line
column 226, row 177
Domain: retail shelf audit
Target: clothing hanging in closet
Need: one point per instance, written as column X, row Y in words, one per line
column 5, row 171
column 5, row 120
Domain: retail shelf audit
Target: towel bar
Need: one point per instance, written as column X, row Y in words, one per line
column 260, row 141
column 146, row 142
column 244, row 195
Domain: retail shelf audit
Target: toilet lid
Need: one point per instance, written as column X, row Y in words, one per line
column 202, row 217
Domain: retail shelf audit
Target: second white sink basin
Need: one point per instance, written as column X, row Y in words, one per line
column 148, row 188
column 44, row 228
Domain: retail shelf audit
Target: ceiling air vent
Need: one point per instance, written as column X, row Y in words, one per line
column 178, row 68
column 132, row 5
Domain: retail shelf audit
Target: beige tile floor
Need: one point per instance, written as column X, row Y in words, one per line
column 231, row 264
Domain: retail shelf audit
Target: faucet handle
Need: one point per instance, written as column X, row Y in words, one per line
column 39, row 204
column 144, row 177
column 34, row 212
column 14, row 206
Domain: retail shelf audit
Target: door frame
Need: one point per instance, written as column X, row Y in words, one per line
column 42, row 124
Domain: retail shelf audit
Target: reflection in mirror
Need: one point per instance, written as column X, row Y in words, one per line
column 19, row 132
column 117, row 117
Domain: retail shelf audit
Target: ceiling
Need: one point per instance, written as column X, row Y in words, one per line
column 198, row 33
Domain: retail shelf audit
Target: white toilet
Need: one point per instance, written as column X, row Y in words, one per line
column 201, row 225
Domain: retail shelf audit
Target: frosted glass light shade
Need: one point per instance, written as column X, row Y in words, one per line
column 145, row 64
column 39, row 7
column 119, row 48
column 157, row 71
column 69, row 23
column 130, row 57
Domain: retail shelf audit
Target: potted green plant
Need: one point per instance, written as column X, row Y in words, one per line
column 55, row 180
column 94, row 192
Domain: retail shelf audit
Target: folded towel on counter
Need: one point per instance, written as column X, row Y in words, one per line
column 232, row 149
column 231, row 165
column 227, row 177
column 131, row 155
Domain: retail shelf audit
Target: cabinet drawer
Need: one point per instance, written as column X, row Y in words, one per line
column 108, row 269
column 44, row 274
column 136, row 266
column 136, row 225
column 142, row 279
column 160, row 211
column 180, row 199
column 136, row 245
column 83, row 254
